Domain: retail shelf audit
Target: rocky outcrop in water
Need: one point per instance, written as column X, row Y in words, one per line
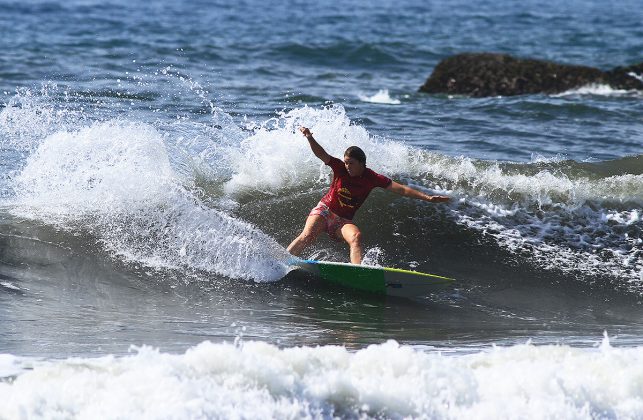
column 487, row 74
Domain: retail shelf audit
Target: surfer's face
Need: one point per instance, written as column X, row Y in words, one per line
column 353, row 166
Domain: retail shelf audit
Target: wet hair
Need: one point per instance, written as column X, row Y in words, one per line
column 356, row 153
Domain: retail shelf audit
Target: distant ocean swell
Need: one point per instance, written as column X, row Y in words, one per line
column 258, row 380
column 340, row 54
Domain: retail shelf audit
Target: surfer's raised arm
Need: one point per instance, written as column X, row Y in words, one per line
column 314, row 146
column 407, row 191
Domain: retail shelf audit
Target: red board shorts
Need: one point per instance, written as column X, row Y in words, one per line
column 333, row 221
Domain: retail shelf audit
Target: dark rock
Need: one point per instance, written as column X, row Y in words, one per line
column 487, row 74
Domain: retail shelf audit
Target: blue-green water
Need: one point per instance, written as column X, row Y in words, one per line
column 151, row 174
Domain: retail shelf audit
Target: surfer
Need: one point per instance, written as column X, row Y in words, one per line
column 352, row 182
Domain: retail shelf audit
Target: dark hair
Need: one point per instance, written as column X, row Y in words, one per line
column 356, row 153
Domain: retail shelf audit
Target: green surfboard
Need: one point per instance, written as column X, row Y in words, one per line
column 380, row 280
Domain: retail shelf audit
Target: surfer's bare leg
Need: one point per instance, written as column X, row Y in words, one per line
column 315, row 225
column 353, row 238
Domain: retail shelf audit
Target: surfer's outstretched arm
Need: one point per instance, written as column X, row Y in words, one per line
column 407, row 191
column 314, row 146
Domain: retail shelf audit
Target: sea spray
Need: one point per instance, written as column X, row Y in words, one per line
column 276, row 156
column 31, row 114
column 114, row 179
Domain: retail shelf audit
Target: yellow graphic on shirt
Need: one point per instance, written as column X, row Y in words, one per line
column 346, row 195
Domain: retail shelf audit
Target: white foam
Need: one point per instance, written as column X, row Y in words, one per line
column 381, row 97
column 538, row 158
column 624, row 218
column 636, row 76
column 544, row 187
column 114, row 179
column 11, row 365
column 277, row 156
column 9, row 285
column 598, row 90
column 258, row 380
column 104, row 168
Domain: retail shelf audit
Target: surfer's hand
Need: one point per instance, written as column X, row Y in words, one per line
column 439, row 199
column 305, row 131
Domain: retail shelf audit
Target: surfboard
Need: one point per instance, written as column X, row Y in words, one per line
column 380, row 280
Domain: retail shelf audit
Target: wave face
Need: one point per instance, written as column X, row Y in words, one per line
column 178, row 196
column 562, row 215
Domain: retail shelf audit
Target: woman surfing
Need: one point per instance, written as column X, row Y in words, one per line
column 351, row 185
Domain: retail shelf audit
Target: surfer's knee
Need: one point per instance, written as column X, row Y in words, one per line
column 354, row 238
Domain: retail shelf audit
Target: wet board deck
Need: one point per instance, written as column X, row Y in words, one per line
column 380, row 280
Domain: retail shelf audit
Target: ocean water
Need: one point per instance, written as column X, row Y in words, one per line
column 152, row 174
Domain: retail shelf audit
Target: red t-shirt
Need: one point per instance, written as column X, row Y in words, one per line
column 347, row 193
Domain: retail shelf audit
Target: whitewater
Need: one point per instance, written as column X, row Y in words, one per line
column 254, row 379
